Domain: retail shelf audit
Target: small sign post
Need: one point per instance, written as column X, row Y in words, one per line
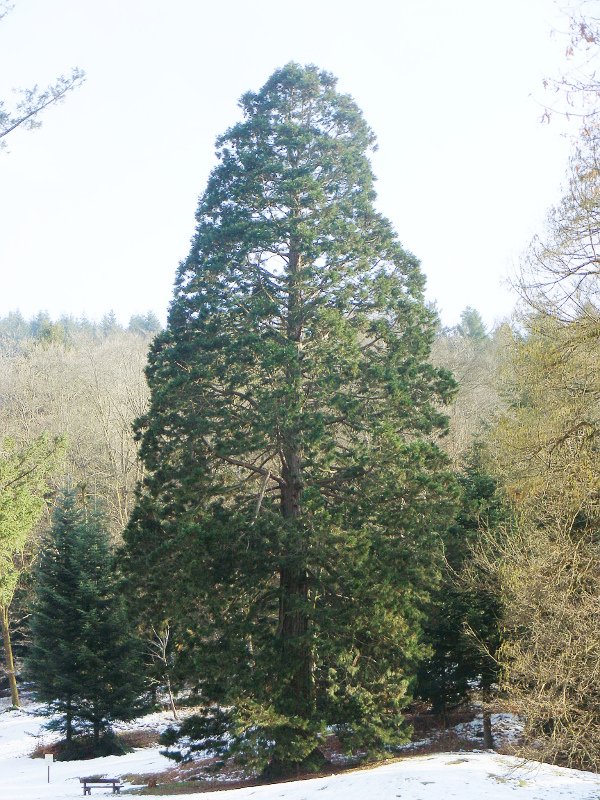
column 49, row 758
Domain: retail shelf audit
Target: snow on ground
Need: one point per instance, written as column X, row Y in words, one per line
column 25, row 778
column 430, row 777
column 506, row 729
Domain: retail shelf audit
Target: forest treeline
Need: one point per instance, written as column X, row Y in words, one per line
column 85, row 382
column 15, row 328
column 304, row 502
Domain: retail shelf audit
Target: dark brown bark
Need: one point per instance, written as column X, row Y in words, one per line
column 488, row 739
column 9, row 663
column 293, row 626
column 69, row 722
column 293, row 577
column 293, row 588
column 291, row 495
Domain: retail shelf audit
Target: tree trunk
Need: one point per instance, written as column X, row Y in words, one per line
column 96, row 718
column 69, row 722
column 291, row 497
column 293, row 626
column 171, row 700
column 293, row 597
column 8, row 658
column 293, row 576
column 488, row 739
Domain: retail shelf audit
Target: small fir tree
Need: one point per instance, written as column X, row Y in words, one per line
column 83, row 658
column 53, row 659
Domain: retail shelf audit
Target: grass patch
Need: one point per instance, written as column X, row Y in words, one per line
column 82, row 748
column 197, row 787
column 145, row 737
column 111, row 744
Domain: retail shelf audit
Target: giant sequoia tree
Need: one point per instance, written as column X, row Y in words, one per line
column 287, row 525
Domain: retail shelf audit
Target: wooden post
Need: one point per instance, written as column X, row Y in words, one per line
column 8, row 658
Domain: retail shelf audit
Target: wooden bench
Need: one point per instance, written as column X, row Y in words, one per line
column 101, row 783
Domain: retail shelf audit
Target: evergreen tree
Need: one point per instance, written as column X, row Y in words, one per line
column 82, row 659
column 287, row 524
column 53, row 659
column 471, row 325
column 144, row 324
column 14, row 326
column 464, row 623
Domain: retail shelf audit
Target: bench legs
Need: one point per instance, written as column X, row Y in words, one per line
column 88, row 789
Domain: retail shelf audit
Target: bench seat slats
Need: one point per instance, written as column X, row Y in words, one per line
column 101, row 783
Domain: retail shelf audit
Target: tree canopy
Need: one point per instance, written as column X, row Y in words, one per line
column 294, row 492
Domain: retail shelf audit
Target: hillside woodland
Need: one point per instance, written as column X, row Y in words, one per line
column 305, row 506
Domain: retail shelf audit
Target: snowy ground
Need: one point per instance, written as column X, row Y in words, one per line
column 431, row 777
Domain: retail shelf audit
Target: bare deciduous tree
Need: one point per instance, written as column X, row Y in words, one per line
column 475, row 366
column 90, row 390
column 159, row 652
column 544, row 451
column 33, row 101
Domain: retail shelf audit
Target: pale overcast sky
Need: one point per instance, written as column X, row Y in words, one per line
column 97, row 207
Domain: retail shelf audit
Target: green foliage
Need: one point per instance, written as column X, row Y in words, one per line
column 146, row 324
column 65, row 330
column 471, row 325
column 464, row 622
column 84, row 748
column 23, row 475
column 209, row 732
column 294, row 494
column 83, row 658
